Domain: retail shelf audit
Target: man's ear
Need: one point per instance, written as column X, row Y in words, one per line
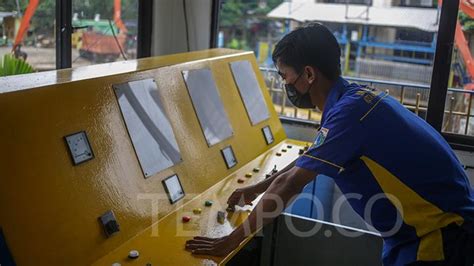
column 311, row 74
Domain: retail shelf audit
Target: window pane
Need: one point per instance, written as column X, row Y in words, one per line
column 458, row 106
column 382, row 45
column 37, row 43
column 108, row 31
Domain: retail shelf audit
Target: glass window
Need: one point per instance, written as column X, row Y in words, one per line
column 106, row 31
column 34, row 41
column 393, row 52
column 458, row 107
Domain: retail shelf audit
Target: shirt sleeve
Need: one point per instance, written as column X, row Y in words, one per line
column 337, row 143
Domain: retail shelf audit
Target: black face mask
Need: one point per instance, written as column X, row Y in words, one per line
column 297, row 99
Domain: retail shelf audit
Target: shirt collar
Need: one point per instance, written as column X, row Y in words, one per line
column 334, row 95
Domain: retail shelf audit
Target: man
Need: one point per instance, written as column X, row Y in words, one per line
column 421, row 200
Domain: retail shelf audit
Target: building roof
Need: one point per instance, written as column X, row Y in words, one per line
column 425, row 19
column 7, row 14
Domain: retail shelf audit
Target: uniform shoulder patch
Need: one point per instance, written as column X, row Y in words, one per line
column 321, row 137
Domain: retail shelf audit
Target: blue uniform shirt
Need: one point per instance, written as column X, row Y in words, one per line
column 396, row 171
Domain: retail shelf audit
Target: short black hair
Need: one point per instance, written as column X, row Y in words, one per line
column 310, row 45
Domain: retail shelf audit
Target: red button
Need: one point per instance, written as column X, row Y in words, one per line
column 186, row 219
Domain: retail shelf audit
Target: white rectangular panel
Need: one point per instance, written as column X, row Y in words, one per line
column 148, row 126
column 208, row 105
column 250, row 91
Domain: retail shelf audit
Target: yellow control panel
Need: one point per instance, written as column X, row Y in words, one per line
column 163, row 243
column 113, row 164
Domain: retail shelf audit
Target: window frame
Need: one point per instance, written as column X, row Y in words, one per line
column 63, row 34
column 64, row 30
column 440, row 76
column 145, row 28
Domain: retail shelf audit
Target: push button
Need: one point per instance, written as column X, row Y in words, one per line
column 133, row 254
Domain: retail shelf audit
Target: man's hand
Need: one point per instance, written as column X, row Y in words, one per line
column 213, row 246
column 242, row 196
column 286, row 186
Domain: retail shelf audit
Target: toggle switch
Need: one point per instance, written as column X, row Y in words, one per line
column 220, row 217
column 274, row 170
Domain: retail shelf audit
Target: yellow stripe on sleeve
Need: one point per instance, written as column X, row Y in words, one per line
column 324, row 161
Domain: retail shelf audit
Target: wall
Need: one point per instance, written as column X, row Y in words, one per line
column 169, row 28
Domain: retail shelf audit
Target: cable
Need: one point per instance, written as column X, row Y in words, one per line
column 116, row 40
column 186, row 24
column 127, row 9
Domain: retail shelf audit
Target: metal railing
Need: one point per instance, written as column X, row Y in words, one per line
column 457, row 113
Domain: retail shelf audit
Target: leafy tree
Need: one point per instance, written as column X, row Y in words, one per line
column 466, row 21
column 10, row 65
column 44, row 18
column 244, row 21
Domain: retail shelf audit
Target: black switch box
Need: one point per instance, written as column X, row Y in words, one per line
column 109, row 223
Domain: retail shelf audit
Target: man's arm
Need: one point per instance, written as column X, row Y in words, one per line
column 280, row 192
column 263, row 185
column 246, row 195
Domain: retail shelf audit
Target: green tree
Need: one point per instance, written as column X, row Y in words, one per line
column 44, row 18
column 244, row 21
column 87, row 9
column 466, row 21
column 231, row 13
